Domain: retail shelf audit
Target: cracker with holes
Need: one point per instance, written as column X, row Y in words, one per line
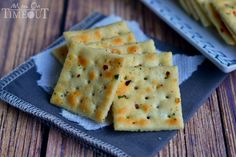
column 61, row 52
column 148, row 99
column 91, row 35
column 227, row 12
column 216, row 20
column 88, row 82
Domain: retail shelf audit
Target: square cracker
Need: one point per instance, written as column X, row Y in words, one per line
column 227, row 12
column 88, row 82
column 91, row 35
column 149, row 100
column 216, row 21
column 61, row 52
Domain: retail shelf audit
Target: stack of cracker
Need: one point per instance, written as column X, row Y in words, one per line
column 219, row 13
column 105, row 69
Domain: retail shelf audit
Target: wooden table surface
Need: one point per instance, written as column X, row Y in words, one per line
column 211, row 132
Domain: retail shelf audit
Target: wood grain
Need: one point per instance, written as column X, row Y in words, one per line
column 227, row 104
column 20, row 134
column 211, row 132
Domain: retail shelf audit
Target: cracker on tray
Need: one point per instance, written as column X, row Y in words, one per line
column 61, row 52
column 91, row 35
column 216, row 20
column 227, row 12
column 148, row 100
column 88, row 82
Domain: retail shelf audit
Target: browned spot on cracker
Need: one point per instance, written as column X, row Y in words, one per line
column 117, row 41
column 84, row 38
column 121, row 111
column 177, row 100
column 108, row 74
column 172, row 121
column 122, row 88
column 150, row 56
column 72, row 98
column 123, row 120
column 98, row 35
column 92, row 75
column 145, row 107
column 117, row 51
column 85, row 106
column 148, row 89
column 132, row 49
column 142, row 122
column 234, row 12
column 83, row 61
column 108, row 90
column 159, row 86
column 99, row 116
column 130, row 38
column 154, row 82
column 118, row 61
